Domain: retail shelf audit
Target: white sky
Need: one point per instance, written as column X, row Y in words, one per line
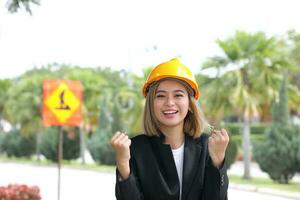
column 122, row 33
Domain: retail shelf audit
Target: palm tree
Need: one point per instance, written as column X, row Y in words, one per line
column 5, row 84
column 247, row 79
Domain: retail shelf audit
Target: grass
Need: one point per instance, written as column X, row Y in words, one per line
column 293, row 186
column 69, row 164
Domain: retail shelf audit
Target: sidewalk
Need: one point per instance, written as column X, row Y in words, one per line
column 237, row 169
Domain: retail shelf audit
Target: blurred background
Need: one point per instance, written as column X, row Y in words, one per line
column 245, row 55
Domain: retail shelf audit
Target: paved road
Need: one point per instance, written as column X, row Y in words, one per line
column 84, row 184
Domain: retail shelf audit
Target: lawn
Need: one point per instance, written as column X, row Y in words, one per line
column 293, row 186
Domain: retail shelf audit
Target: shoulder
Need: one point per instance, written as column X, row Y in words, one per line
column 139, row 138
column 141, row 145
column 202, row 139
column 139, row 141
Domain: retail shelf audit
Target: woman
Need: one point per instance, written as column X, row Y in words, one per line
column 173, row 160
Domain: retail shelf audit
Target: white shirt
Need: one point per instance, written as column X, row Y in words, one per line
column 178, row 158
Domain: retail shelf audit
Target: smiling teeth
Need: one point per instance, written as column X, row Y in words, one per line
column 170, row 112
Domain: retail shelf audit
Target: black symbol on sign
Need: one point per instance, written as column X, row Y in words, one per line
column 63, row 106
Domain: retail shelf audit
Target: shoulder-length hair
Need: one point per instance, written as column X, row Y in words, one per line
column 194, row 122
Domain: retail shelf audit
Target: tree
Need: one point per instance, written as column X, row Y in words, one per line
column 23, row 108
column 4, row 87
column 279, row 154
column 14, row 5
column 135, row 111
column 247, row 78
column 294, row 57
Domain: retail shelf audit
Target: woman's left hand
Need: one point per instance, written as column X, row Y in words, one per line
column 217, row 144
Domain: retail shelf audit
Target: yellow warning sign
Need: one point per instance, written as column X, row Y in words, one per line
column 62, row 102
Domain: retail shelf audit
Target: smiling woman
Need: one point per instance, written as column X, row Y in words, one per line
column 173, row 159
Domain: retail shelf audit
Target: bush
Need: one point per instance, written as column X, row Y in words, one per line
column 1, row 141
column 14, row 144
column 100, row 147
column 71, row 144
column 231, row 153
column 235, row 128
column 258, row 129
column 19, row 192
column 279, row 154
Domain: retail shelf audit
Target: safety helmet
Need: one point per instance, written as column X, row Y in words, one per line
column 172, row 69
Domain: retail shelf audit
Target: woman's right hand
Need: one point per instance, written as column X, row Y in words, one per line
column 121, row 143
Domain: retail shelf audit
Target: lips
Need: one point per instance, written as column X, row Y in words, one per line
column 170, row 112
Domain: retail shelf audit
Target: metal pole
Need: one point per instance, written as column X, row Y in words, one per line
column 60, row 157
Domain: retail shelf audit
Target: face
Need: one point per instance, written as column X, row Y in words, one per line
column 171, row 103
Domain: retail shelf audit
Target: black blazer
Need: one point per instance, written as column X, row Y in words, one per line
column 153, row 173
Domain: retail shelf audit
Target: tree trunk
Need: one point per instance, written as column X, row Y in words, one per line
column 1, row 126
column 246, row 147
column 82, row 145
column 38, row 142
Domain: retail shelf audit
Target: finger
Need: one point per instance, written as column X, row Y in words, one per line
column 224, row 133
column 128, row 142
column 215, row 134
column 212, row 139
column 217, row 137
column 115, row 135
column 120, row 138
column 124, row 139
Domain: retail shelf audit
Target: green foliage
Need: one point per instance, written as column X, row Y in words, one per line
column 250, row 72
column 110, row 122
column 280, row 113
column 258, row 129
column 253, row 137
column 2, row 135
column 14, row 144
column 279, row 154
column 235, row 128
column 14, row 5
column 49, row 143
column 100, row 148
column 4, row 87
column 231, row 153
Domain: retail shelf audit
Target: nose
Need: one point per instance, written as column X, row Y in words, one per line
column 170, row 101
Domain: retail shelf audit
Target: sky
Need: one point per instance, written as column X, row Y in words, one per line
column 132, row 34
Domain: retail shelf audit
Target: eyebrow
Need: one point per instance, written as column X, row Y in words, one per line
column 164, row 91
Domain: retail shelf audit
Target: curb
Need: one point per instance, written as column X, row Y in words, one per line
column 289, row 195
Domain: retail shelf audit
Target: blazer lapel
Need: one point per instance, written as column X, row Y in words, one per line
column 190, row 164
column 166, row 164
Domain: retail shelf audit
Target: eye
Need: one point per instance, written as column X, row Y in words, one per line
column 179, row 95
column 160, row 96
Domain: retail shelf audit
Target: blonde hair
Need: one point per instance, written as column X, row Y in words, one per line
column 194, row 122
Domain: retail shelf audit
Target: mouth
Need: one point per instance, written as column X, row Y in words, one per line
column 170, row 112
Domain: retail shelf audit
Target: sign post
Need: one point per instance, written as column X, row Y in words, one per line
column 62, row 106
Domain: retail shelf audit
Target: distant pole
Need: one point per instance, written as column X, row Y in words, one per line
column 60, row 157
column 82, row 143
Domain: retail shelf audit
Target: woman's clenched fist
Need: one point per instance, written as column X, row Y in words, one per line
column 120, row 142
column 217, row 144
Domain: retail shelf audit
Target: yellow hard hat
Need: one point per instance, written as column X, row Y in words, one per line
column 172, row 69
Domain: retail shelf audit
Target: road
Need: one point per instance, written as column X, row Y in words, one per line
column 81, row 184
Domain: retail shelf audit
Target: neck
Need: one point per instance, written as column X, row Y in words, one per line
column 173, row 136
